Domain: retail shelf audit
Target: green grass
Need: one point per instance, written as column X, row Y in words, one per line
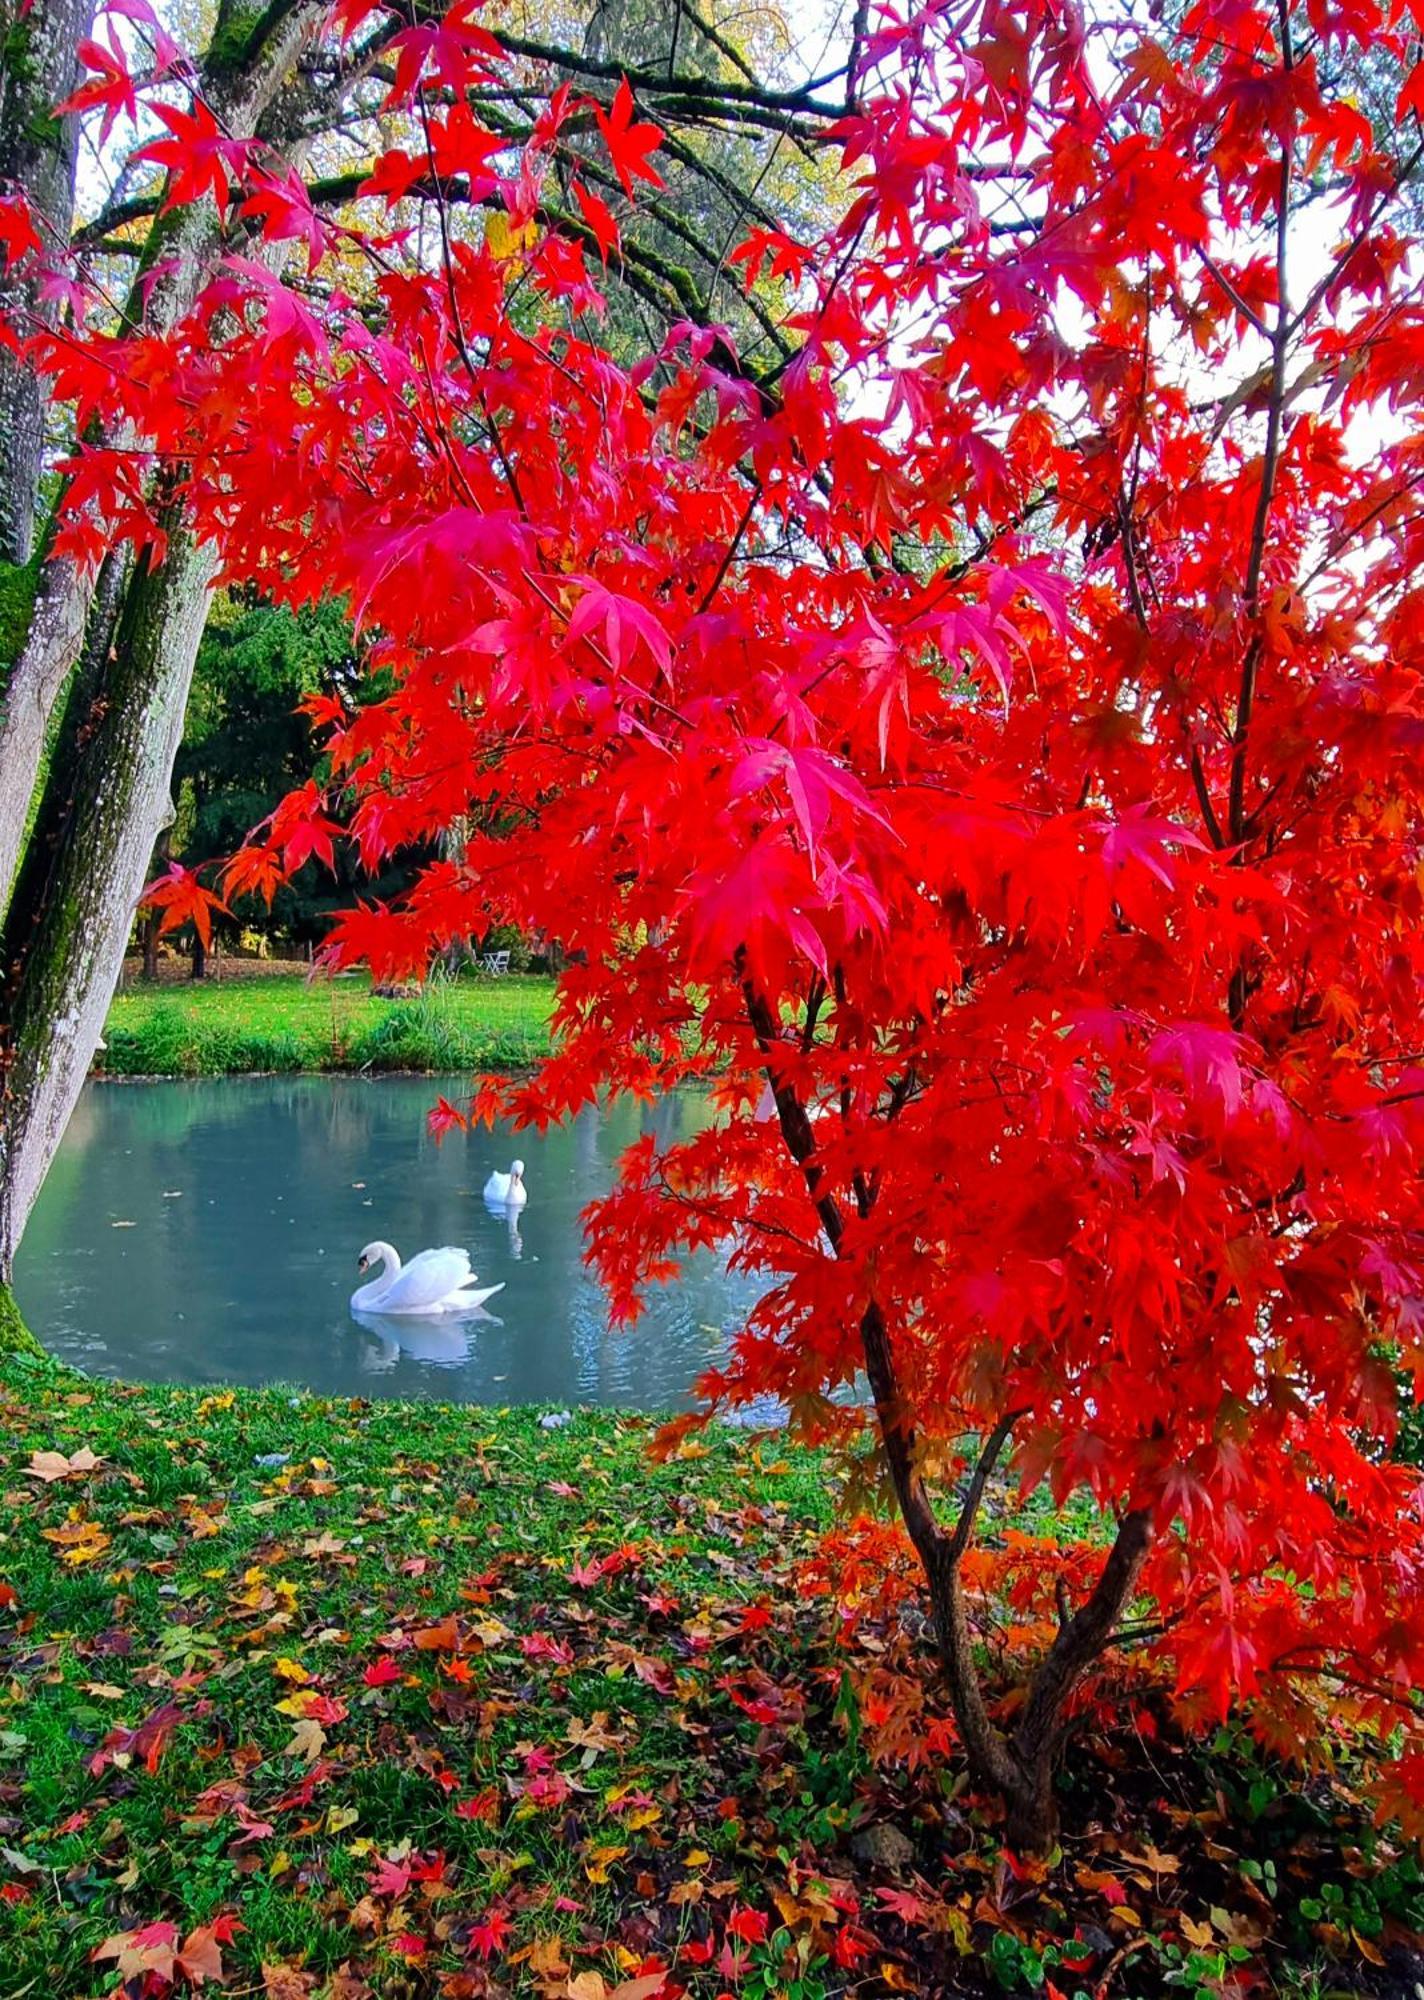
column 413, row 1700
column 216, row 1028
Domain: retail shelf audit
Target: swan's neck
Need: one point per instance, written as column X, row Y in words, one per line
column 389, row 1259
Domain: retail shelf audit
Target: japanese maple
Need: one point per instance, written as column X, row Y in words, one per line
column 983, row 748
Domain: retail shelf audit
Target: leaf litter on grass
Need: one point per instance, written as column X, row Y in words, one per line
column 334, row 1699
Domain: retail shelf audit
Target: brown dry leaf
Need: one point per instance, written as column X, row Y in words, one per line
column 441, row 1638
column 642, row 1988
column 200, row 1958
column 52, row 1465
column 545, row 1959
column 308, row 1740
column 286, row 1982
column 1367, row 1948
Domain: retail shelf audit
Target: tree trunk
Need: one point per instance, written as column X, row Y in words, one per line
column 39, row 68
column 198, row 967
column 79, row 899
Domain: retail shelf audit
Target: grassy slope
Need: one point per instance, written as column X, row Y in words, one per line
column 468, row 1707
column 282, row 1023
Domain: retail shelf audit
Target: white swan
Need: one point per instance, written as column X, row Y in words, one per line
column 437, row 1281
column 507, row 1190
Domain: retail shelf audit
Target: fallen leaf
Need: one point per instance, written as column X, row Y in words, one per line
column 286, row 1982
column 52, row 1465
column 308, row 1740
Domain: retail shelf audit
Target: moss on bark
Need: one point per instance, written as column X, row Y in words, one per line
column 15, row 1336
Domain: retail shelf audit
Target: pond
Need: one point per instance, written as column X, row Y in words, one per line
column 208, row 1232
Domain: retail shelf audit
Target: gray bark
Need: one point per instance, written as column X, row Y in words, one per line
column 83, row 907
column 39, row 67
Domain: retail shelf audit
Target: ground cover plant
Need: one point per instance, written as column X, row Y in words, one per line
column 221, row 1027
column 306, row 1697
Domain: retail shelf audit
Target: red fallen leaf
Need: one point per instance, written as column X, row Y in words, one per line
column 489, row 1936
column 751, row 1926
column 902, row 1904
column 14, row 1892
column 409, row 1945
column 755, row 1617
column 484, row 1805
column 656, row 1674
column 538, row 1646
column 850, row 1946
column 381, row 1673
column 301, row 1794
column 8, row 1595
column 389, row 1878
column 585, row 1575
column 252, row 1827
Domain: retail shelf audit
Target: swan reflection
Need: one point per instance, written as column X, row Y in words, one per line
column 435, row 1343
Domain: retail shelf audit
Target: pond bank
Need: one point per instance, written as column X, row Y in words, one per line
column 286, row 1024
column 338, row 1699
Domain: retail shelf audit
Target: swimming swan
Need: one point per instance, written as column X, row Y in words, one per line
column 437, row 1281
column 507, row 1190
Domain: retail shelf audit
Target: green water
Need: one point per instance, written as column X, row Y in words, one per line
column 208, row 1232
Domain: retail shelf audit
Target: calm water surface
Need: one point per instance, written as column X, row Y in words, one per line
column 208, row 1232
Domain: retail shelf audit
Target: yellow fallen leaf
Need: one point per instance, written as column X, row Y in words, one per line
column 291, row 1670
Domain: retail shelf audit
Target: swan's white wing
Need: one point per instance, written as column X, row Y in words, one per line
column 497, row 1188
column 425, row 1281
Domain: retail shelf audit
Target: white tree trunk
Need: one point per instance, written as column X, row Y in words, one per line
column 82, row 903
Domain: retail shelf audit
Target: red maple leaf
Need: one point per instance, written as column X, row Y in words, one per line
column 628, row 144
column 199, row 158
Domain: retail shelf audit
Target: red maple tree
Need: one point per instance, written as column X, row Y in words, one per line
column 984, row 749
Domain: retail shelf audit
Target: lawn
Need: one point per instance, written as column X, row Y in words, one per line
column 215, row 1028
column 337, row 1698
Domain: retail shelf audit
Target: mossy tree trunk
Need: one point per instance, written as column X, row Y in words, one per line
column 120, row 649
